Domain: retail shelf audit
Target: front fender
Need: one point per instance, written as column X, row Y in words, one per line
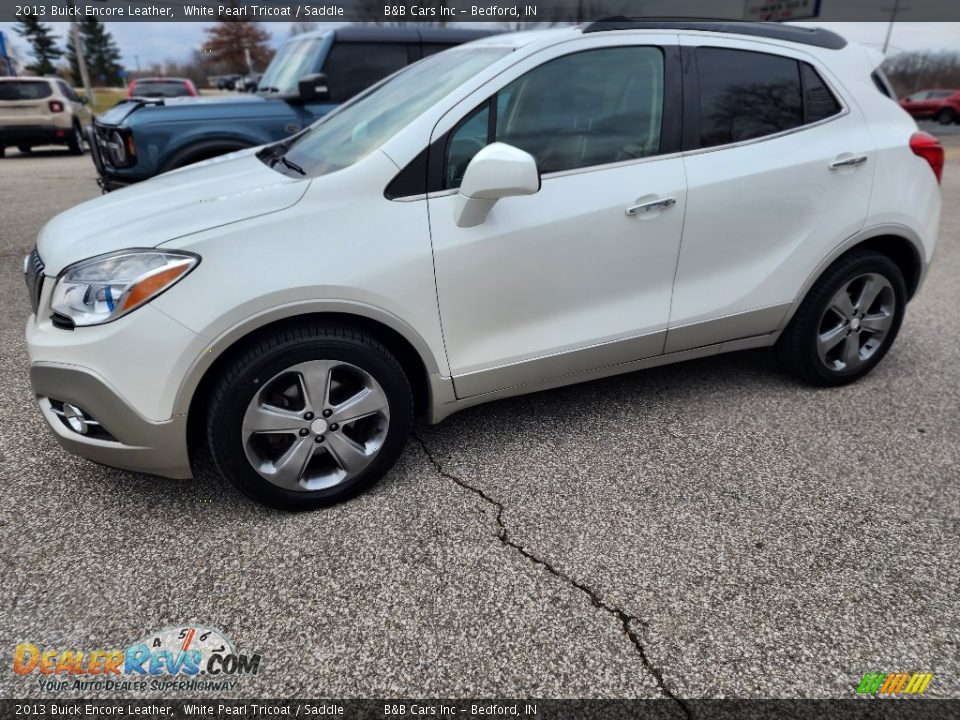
column 223, row 342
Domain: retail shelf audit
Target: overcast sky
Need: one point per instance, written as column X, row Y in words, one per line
column 149, row 42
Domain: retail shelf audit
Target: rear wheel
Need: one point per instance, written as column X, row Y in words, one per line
column 946, row 116
column 3, row 151
column 309, row 416
column 847, row 322
column 75, row 141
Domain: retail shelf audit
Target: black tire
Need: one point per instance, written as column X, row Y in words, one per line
column 946, row 116
column 75, row 141
column 269, row 355
column 797, row 347
column 3, row 151
column 24, row 148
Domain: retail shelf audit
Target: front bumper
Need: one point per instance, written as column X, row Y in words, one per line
column 155, row 448
column 33, row 135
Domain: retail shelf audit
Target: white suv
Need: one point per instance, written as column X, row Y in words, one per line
column 519, row 213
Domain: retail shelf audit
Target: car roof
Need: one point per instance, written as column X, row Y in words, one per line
column 27, row 78
column 818, row 37
column 161, row 79
column 364, row 33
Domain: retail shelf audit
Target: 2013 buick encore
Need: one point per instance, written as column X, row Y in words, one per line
column 518, row 213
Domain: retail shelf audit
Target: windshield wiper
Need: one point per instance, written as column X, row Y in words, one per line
column 290, row 164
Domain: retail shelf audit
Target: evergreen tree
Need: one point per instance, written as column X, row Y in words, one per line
column 42, row 43
column 100, row 52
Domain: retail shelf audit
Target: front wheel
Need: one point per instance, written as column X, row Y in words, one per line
column 946, row 116
column 309, row 416
column 847, row 322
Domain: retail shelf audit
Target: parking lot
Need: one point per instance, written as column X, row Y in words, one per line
column 707, row 529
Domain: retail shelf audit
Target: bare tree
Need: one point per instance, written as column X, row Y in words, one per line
column 912, row 71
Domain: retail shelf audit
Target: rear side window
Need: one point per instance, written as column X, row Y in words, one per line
column 24, row 90
column 353, row 67
column 818, row 102
column 67, row 91
column 746, row 95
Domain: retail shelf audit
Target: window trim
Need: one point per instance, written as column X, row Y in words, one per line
column 691, row 97
column 670, row 132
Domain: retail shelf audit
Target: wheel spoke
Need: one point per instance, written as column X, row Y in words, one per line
column 877, row 324
column 842, row 305
column 350, row 456
column 315, row 383
column 366, row 402
column 851, row 351
column 288, row 470
column 828, row 340
column 868, row 293
column 267, row 419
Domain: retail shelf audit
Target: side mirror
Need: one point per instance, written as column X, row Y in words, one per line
column 313, row 88
column 84, row 100
column 497, row 171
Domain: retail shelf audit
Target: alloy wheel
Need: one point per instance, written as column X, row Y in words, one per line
column 856, row 322
column 315, row 425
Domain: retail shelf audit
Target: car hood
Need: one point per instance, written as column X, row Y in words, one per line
column 218, row 104
column 212, row 193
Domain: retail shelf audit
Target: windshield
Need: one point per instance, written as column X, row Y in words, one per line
column 365, row 123
column 160, row 88
column 292, row 61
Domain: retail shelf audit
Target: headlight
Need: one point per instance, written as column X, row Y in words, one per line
column 104, row 288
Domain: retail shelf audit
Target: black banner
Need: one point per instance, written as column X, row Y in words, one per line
column 667, row 709
column 461, row 11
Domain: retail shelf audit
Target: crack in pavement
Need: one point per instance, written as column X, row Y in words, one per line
column 620, row 614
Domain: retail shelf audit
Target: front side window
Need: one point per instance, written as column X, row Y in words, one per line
column 353, row 67
column 588, row 108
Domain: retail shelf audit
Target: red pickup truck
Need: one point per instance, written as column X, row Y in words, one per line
column 941, row 105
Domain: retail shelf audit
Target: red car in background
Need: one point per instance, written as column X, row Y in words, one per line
column 161, row 87
column 941, row 105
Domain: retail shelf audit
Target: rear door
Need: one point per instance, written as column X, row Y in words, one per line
column 25, row 102
column 779, row 171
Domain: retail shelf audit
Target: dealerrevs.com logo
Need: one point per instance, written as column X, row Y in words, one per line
column 189, row 658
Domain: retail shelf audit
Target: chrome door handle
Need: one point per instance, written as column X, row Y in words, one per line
column 652, row 206
column 854, row 161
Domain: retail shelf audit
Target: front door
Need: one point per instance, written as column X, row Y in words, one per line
column 577, row 276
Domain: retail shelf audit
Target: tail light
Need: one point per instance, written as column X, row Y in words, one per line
column 55, row 106
column 929, row 148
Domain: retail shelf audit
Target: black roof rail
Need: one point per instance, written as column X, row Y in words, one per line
column 817, row 37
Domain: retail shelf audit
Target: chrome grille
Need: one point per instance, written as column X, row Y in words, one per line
column 33, row 272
